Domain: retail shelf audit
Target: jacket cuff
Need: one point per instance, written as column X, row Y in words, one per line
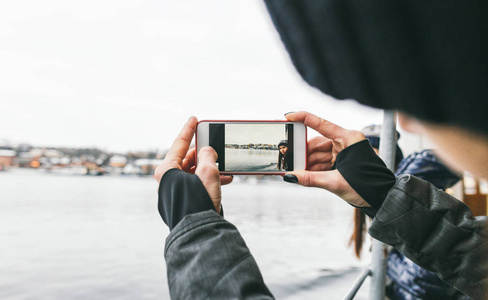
column 366, row 173
column 369, row 211
column 181, row 194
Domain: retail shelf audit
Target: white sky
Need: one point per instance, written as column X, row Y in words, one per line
column 255, row 133
column 125, row 75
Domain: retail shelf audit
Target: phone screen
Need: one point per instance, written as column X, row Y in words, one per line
column 253, row 147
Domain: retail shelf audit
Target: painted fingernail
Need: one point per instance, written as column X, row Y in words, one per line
column 291, row 112
column 290, row 178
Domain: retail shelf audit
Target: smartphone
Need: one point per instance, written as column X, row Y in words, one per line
column 255, row 147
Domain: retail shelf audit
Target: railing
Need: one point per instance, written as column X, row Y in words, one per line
column 357, row 285
column 377, row 271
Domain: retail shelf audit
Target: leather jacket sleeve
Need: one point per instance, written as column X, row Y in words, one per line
column 437, row 232
column 430, row 227
column 207, row 258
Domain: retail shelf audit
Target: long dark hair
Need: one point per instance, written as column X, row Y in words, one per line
column 357, row 236
column 281, row 160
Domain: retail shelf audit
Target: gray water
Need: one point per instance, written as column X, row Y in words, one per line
column 251, row 160
column 75, row 237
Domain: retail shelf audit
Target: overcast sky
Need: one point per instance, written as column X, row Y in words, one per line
column 255, row 133
column 126, row 75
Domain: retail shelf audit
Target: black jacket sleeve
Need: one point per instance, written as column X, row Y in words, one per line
column 366, row 173
column 181, row 194
column 206, row 257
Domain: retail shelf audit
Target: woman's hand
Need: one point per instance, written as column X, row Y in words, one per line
column 180, row 156
column 322, row 154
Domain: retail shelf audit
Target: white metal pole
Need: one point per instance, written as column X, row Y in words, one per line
column 357, row 285
column 378, row 260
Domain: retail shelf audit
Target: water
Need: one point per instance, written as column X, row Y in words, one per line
column 251, row 160
column 75, row 237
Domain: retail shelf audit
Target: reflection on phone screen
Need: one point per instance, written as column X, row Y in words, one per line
column 253, row 147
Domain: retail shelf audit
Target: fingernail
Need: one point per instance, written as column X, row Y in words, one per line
column 291, row 112
column 290, row 178
column 229, row 175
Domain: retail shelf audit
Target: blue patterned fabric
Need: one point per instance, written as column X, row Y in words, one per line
column 427, row 166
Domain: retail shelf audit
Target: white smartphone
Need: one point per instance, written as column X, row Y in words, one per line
column 255, row 147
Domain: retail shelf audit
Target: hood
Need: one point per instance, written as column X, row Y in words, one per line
column 425, row 58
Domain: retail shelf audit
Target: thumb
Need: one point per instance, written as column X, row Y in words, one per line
column 208, row 173
column 323, row 179
column 207, row 156
column 332, row 181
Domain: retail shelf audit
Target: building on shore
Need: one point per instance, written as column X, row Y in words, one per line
column 7, row 158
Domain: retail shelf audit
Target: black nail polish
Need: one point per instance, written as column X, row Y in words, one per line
column 290, row 178
column 291, row 112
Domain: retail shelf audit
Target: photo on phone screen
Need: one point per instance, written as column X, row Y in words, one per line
column 253, row 147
